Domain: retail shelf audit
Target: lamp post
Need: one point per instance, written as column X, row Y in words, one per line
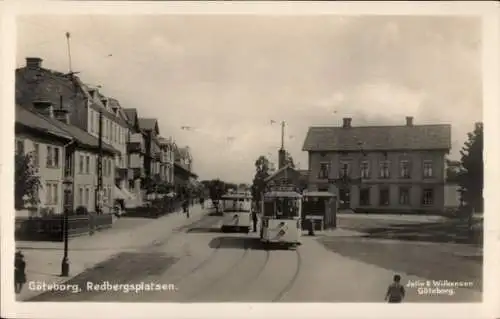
column 67, row 185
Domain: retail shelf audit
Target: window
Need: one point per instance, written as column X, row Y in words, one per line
column 20, row 146
column 91, row 112
column 344, row 169
column 427, row 168
column 87, row 164
column 365, row 169
column 96, row 121
column 324, row 170
column 428, row 196
column 364, row 197
column 87, row 196
column 384, row 197
column 81, row 162
column 52, row 157
column 404, row 167
column 51, row 193
column 36, row 155
column 384, row 169
column 131, row 185
column 404, row 196
column 80, row 196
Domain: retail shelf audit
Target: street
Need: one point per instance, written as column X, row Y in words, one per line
column 198, row 263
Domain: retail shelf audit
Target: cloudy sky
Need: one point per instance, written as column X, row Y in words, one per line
column 227, row 77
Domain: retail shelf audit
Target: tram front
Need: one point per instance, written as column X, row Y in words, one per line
column 281, row 216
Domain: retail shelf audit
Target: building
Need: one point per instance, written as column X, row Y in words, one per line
column 167, row 146
column 152, row 158
column 45, row 143
column 183, row 169
column 78, row 157
column 381, row 168
column 136, row 153
column 84, row 104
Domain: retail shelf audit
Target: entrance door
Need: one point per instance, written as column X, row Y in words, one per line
column 344, row 198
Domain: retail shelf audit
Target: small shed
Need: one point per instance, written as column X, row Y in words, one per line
column 321, row 207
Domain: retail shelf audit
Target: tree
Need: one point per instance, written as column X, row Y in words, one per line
column 470, row 175
column 452, row 170
column 26, row 181
column 262, row 167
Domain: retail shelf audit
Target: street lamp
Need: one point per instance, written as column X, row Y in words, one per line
column 67, row 185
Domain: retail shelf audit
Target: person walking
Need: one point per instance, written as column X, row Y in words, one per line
column 185, row 206
column 255, row 220
column 396, row 292
column 19, row 272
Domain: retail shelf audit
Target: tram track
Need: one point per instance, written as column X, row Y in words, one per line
column 292, row 281
column 228, row 271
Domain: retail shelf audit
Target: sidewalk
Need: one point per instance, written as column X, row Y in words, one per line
column 43, row 259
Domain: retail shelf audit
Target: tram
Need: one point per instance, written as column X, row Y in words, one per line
column 281, row 216
column 237, row 212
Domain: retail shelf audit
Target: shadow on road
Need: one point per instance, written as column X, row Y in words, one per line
column 204, row 230
column 236, row 242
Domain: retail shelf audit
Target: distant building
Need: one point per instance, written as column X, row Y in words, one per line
column 183, row 165
column 398, row 168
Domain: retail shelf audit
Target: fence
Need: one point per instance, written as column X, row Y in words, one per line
column 51, row 228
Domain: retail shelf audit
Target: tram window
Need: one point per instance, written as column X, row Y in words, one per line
column 269, row 208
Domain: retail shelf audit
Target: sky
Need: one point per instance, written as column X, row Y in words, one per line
column 229, row 78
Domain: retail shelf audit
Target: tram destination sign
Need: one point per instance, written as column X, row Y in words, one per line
column 283, row 188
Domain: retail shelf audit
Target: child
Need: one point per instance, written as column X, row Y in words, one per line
column 396, row 291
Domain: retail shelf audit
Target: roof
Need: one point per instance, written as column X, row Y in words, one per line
column 148, row 124
column 318, row 194
column 230, row 196
column 131, row 115
column 40, row 83
column 39, row 123
column 378, row 138
column 178, row 166
column 271, row 177
column 164, row 141
column 183, row 152
column 82, row 137
column 283, row 194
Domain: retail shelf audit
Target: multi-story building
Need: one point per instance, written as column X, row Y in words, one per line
column 85, row 104
column 380, row 167
column 167, row 164
column 136, row 152
column 77, row 158
column 152, row 160
column 183, row 169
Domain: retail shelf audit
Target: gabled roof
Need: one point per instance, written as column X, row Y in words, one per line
column 40, row 83
column 378, row 138
column 39, row 123
column 179, row 168
column 272, row 176
column 147, row 124
column 82, row 138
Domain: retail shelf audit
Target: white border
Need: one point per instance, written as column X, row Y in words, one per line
column 491, row 54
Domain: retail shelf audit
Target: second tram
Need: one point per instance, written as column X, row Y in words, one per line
column 237, row 212
column 281, row 216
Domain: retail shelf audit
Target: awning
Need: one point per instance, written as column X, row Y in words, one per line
column 119, row 194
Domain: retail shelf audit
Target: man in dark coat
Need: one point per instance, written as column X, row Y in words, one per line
column 19, row 272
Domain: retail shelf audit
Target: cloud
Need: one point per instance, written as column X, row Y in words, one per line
column 228, row 76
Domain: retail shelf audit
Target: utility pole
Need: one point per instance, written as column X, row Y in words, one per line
column 99, row 192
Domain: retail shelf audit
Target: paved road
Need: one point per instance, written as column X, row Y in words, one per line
column 200, row 264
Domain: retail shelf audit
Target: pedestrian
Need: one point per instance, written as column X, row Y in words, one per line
column 202, row 201
column 396, row 292
column 19, row 271
column 185, row 207
column 254, row 219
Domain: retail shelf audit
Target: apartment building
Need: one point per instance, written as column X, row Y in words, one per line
column 78, row 157
column 398, row 168
column 167, row 146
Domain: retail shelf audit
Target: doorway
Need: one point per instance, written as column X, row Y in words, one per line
column 344, row 198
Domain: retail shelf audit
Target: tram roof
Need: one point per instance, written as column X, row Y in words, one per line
column 283, row 194
column 233, row 196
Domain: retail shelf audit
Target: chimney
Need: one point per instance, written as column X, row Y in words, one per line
column 281, row 158
column 62, row 115
column 346, row 122
column 34, row 63
column 409, row 121
column 44, row 107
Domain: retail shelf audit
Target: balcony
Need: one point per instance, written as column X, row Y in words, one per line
column 124, row 173
column 136, row 144
column 138, row 172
